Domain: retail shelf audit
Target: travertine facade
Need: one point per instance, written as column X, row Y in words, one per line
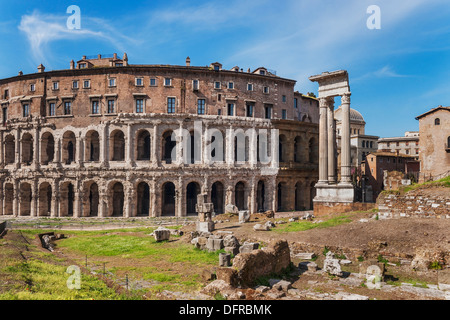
column 434, row 129
column 105, row 138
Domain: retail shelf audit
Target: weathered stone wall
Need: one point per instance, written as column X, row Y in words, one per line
column 428, row 203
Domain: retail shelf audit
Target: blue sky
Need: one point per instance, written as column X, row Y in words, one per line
column 396, row 73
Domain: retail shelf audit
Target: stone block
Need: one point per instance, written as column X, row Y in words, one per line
column 205, row 226
column 229, row 208
column 305, row 255
column 248, row 247
column 161, row 234
column 260, row 227
column 214, row 244
column 244, row 216
column 224, row 259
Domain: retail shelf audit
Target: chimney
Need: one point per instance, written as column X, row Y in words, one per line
column 72, row 64
column 115, row 56
column 83, row 58
column 99, row 56
column 188, row 62
column 41, row 68
column 125, row 59
column 20, row 73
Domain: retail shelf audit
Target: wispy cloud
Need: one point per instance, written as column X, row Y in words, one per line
column 43, row 29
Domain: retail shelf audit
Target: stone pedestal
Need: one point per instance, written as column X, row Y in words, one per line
column 205, row 226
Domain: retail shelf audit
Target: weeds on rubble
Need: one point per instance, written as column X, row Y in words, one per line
column 381, row 259
column 284, row 274
column 307, row 225
column 435, row 265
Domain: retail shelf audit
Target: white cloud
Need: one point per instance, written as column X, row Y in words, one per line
column 43, row 29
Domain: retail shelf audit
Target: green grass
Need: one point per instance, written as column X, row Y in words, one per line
column 45, row 281
column 307, row 225
column 444, row 182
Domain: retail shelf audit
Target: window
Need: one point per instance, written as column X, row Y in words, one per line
column 139, row 105
column 407, row 151
column 167, row 82
column 407, row 143
column 283, row 98
column 152, row 82
column 26, row 110
column 437, row 122
column 268, row 112
column 397, row 144
column 119, row 64
column 82, row 65
column 201, row 106
column 217, row 85
column 284, row 114
column 388, row 144
column 33, row 87
column 371, row 144
column 249, row 87
column 67, row 107
column 249, row 110
column 112, row 82
column 51, row 109
column 95, row 107
column 75, row 84
column 55, row 85
column 170, row 105
column 139, row 82
column 363, row 144
column 111, row 106
column 5, row 115
column 262, row 72
column 266, row 90
column 216, row 67
column 6, row 94
column 230, row 109
column 195, row 85
column 417, row 151
column 295, row 103
column 86, row 84
column 219, row 112
column 230, row 85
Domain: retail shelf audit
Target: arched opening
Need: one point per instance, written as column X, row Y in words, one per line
column 47, row 148
column 92, row 147
column 279, row 197
column 94, row 200
column 261, row 196
column 67, row 196
column 9, row 199
column 218, row 197
column 217, row 146
column 298, row 150
column 117, row 146
column 168, row 199
column 241, row 147
column 10, row 149
column 437, row 121
column 192, row 190
column 68, row 147
column 299, row 201
column 25, row 199
column 27, row 148
column 282, row 149
column 118, row 199
column 45, row 199
column 313, row 151
column 143, row 199
column 168, row 147
column 240, row 195
column 143, row 145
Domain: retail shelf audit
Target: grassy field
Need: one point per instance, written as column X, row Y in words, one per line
column 307, row 225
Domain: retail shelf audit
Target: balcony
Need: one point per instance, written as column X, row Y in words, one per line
column 447, row 147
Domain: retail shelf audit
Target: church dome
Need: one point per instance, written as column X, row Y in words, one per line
column 355, row 116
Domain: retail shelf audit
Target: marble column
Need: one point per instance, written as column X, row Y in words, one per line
column 331, row 143
column 345, row 140
column 323, row 141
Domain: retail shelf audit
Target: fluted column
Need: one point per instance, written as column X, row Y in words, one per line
column 323, row 141
column 345, row 140
column 331, row 144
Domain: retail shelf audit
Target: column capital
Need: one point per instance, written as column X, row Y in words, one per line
column 345, row 98
column 325, row 102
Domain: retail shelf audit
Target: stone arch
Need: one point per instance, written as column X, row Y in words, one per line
column 117, row 145
column 261, row 204
column 241, row 196
column 299, row 197
column 241, row 146
column 282, row 196
column 47, row 148
column 25, row 198
column 313, row 150
column 69, row 147
column 92, row 146
column 283, row 148
column 216, row 145
column 66, row 199
column 8, row 190
column 143, row 145
column 45, row 199
column 27, row 148
column 168, row 151
column 10, row 149
column 298, row 149
column 168, row 199
column 116, row 199
column 91, row 199
column 143, row 199
column 218, row 197
column 193, row 189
